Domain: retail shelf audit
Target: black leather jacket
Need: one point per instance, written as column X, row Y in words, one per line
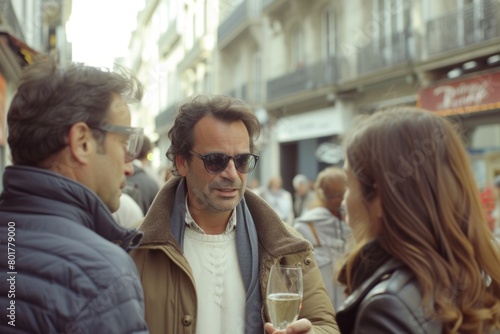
column 389, row 301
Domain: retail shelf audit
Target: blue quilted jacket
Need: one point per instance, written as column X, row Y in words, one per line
column 64, row 266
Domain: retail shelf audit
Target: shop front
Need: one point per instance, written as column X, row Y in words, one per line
column 310, row 142
column 473, row 103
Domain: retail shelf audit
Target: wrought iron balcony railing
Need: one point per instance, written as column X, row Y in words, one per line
column 383, row 52
column 169, row 37
column 321, row 74
column 237, row 21
column 474, row 23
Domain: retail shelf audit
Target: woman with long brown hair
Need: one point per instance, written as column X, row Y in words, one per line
column 424, row 260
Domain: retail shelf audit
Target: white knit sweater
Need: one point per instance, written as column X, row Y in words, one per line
column 219, row 285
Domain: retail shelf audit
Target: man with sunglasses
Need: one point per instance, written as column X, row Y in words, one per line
column 62, row 254
column 209, row 241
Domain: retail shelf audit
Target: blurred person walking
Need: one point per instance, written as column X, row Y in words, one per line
column 303, row 196
column 323, row 227
column 129, row 214
column 424, row 260
column 70, row 139
column 279, row 199
column 209, row 241
column 143, row 184
column 254, row 185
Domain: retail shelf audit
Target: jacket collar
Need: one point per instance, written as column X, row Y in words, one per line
column 41, row 191
column 273, row 236
column 357, row 296
column 346, row 313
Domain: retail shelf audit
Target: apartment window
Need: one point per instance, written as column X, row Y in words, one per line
column 173, row 88
column 193, row 22
column 329, row 34
column 476, row 20
column 163, row 16
column 207, row 87
column 257, row 60
column 236, row 3
column 297, row 46
column 388, row 21
column 463, row 3
column 205, row 17
column 163, row 81
column 227, row 7
column 174, row 9
column 257, row 7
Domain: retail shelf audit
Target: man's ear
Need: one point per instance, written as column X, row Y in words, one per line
column 81, row 142
column 181, row 164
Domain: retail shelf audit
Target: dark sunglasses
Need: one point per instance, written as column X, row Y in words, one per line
column 216, row 162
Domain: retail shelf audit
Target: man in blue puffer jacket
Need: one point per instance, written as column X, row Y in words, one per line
column 64, row 266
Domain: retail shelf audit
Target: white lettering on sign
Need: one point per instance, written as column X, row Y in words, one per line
column 465, row 94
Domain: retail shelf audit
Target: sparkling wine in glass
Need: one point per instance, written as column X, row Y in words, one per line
column 284, row 295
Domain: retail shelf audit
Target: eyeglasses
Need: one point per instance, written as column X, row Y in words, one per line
column 134, row 142
column 216, row 162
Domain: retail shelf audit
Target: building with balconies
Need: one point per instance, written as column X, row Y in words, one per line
column 460, row 70
column 171, row 52
column 309, row 67
column 143, row 60
column 43, row 23
column 302, row 67
column 327, row 61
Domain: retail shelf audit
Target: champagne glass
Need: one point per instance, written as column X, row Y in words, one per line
column 284, row 295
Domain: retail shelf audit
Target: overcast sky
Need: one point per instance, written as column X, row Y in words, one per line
column 100, row 29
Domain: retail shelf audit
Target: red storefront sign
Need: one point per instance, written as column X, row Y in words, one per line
column 475, row 93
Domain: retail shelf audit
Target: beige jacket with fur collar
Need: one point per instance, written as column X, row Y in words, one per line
column 167, row 279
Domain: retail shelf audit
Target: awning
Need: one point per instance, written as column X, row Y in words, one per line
column 14, row 55
column 474, row 93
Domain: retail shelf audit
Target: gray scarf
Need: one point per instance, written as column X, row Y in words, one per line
column 248, row 254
